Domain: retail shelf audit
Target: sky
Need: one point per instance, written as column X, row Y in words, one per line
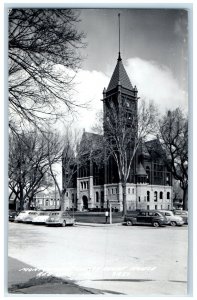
column 154, row 51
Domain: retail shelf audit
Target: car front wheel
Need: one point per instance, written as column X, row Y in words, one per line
column 129, row 223
column 172, row 223
column 64, row 224
column 155, row 224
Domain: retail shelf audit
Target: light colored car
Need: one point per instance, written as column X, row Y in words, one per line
column 42, row 217
column 61, row 218
column 172, row 218
column 183, row 214
column 26, row 216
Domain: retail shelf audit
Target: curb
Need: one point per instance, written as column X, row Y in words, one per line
column 97, row 224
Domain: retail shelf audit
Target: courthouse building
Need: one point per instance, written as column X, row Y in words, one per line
column 95, row 186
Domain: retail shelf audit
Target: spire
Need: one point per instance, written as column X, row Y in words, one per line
column 119, row 76
column 119, row 56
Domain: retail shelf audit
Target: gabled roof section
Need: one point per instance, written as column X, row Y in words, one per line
column 90, row 141
column 155, row 149
column 119, row 77
column 140, row 170
column 142, row 149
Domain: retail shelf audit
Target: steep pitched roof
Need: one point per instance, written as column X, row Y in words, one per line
column 90, row 141
column 155, row 149
column 140, row 170
column 119, row 76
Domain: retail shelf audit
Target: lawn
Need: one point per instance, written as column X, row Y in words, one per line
column 96, row 217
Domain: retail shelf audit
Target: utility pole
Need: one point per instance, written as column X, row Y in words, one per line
column 55, row 194
column 110, row 214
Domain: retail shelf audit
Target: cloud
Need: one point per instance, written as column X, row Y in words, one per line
column 155, row 82
column 89, row 89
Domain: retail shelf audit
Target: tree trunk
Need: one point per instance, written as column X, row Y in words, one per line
column 124, row 191
column 62, row 200
column 21, row 199
column 185, row 198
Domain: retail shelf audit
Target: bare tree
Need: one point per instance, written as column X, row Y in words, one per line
column 173, row 130
column 98, row 126
column 123, row 132
column 70, row 154
column 29, row 166
column 43, row 58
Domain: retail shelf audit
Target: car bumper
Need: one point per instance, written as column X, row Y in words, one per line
column 38, row 222
column 53, row 223
column 180, row 223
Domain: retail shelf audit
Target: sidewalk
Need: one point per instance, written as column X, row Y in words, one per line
column 25, row 279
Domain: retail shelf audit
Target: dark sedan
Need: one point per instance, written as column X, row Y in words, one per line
column 12, row 215
column 154, row 218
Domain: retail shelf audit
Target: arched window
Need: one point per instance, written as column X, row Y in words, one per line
column 148, row 196
column 155, row 196
column 161, row 195
column 168, row 195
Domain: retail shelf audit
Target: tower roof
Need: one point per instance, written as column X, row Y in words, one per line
column 119, row 77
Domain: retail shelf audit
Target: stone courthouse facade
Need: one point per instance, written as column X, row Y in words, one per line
column 95, row 186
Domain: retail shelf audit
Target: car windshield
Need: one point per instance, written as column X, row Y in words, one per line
column 157, row 214
column 168, row 214
column 55, row 214
column 181, row 213
column 44, row 214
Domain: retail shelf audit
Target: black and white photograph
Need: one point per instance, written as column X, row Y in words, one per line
column 98, row 111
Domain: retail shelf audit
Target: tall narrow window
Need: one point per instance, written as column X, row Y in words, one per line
column 148, row 196
column 168, row 195
column 97, row 197
column 148, row 173
column 155, row 196
column 73, row 197
column 161, row 195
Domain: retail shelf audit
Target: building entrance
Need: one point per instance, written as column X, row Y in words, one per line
column 85, row 202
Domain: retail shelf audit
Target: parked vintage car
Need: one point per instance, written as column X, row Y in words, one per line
column 61, row 218
column 146, row 217
column 26, row 216
column 183, row 214
column 12, row 215
column 172, row 218
column 42, row 217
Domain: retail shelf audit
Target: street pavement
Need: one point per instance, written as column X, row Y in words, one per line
column 137, row 260
column 26, row 279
